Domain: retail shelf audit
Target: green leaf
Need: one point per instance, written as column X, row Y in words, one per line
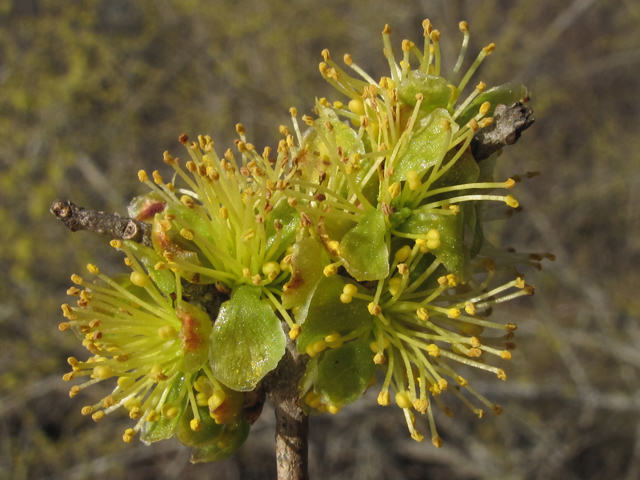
column 364, row 248
column 428, row 142
column 325, row 314
column 165, row 427
column 505, row 94
column 344, row 373
column 226, row 444
column 195, row 331
column 307, row 263
column 308, row 378
column 452, row 252
column 164, row 279
column 478, row 231
column 290, row 219
column 207, row 434
column 435, row 89
column 247, row 340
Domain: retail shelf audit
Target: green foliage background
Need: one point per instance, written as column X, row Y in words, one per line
column 92, row 91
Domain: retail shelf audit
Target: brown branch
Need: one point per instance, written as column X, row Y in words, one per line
column 508, row 124
column 292, row 424
column 111, row 225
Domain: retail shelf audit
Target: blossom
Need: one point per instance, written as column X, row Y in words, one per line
column 155, row 345
column 394, row 213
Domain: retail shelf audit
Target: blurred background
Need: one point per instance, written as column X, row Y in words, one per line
column 91, row 91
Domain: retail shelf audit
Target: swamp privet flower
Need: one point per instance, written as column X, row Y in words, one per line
column 362, row 232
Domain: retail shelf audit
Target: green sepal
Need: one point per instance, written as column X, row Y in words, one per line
column 505, row 94
column 290, row 219
column 435, row 89
column 364, row 248
column 227, row 443
column 452, row 252
column 247, row 340
column 428, row 142
column 324, row 313
column 194, row 335
column 344, row 373
column 164, row 279
column 165, row 427
column 307, row 263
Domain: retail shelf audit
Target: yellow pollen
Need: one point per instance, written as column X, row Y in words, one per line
column 454, row 313
column 512, row 202
column 167, row 332
column 93, row 269
column 383, row 398
column 98, row 416
column 216, row 399
column 501, row 374
column 403, row 400
column 356, row 106
column 379, row 359
column 195, row 424
column 505, row 355
column 422, row 314
column 295, row 332
column 142, row 176
column 102, row 372
column 116, row 243
column 421, row 405
column 139, row 279
column 489, row 48
column 374, row 308
column 128, row 435
column 344, row 298
column 403, row 253
column 414, row 180
column 330, row 270
column 433, row 350
column 470, row 308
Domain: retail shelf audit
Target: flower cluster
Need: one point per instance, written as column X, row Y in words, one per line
column 395, row 210
column 364, row 233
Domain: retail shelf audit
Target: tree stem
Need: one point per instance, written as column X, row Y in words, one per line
column 292, row 424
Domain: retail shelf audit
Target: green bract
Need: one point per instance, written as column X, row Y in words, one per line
column 247, row 340
column 344, row 373
column 426, row 145
column 364, row 249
